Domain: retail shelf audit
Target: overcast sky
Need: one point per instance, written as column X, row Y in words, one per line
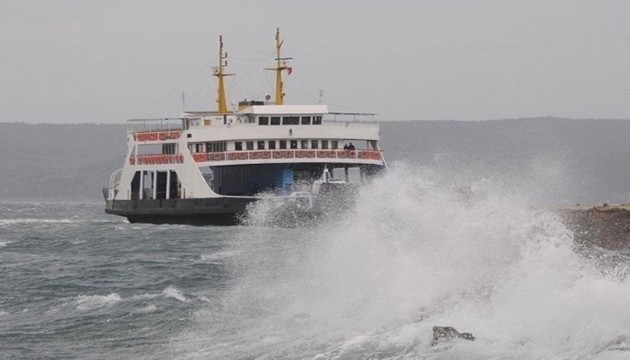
column 107, row 61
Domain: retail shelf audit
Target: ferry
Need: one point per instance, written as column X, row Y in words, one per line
column 207, row 167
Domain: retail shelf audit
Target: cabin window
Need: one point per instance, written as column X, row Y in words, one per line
column 306, row 120
column 238, row 146
column 272, row 144
column 217, row 146
column 303, row 144
column 314, row 144
column 283, row 144
column 168, row 149
column 250, row 145
column 334, row 144
column 261, row 145
column 275, row 120
column 263, row 120
column 317, row 120
column 199, row 148
column 293, row 144
column 290, row 120
column 324, row 144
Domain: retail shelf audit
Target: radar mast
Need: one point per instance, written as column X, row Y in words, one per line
column 281, row 64
column 218, row 72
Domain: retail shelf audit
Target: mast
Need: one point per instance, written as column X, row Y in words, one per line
column 218, row 72
column 281, row 64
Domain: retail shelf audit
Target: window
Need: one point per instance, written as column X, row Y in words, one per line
column 306, row 120
column 293, row 144
column 324, row 144
column 334, row 144
column 275, row 120
column 303, row 144
column 261, row 145
column 283, row 144
column 290, row 120
column 317, row 120
column 263, row 120
column 250, row 145
column 272, row 144
column 216, row 146
column 168, row 149
column 238, row 146
column 314, row 144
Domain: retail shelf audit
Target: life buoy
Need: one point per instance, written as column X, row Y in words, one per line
column 352, row 154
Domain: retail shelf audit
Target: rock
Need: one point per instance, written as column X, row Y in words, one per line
column 606, row 226
column 448, row 333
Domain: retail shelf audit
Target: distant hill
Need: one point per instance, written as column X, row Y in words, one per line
column 564, row 160
column 58, row 162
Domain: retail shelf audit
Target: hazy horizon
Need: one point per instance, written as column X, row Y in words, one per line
column 552, row 160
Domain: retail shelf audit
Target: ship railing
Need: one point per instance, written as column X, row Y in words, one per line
column 156, row 159
column 288, row 154
column 162, row 124
column 114, row 181
column 350, row 118
column 160, row 159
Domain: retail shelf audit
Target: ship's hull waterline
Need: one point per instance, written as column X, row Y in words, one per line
column 205, row 211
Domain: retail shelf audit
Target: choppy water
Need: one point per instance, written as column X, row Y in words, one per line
column 409, row 255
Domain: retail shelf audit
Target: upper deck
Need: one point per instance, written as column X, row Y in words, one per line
column 260, row 122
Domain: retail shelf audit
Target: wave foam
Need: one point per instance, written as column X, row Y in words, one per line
column 36, row 221
column 171, row 292
column 412, row 254
column 147, row 310
column 218, row 256
column 93, row 302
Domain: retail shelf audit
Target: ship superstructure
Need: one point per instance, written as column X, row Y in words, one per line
column 206, row 167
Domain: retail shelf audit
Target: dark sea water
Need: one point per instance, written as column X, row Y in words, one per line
column 409, row 255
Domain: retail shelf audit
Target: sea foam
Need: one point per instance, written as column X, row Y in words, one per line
column 413, row 254
column 92, row 302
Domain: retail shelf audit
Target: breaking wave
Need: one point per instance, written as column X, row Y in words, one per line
column 92, row 302
column 411, row 254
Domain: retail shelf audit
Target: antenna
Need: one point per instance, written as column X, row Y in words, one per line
column 183, row 101
column 218, row 72
column 281, row 64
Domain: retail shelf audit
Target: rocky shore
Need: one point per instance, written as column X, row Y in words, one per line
column 606, row 226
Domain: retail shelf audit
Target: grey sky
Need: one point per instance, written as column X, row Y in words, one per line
column 107, row 61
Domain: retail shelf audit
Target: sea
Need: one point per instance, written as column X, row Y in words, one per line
column 464, row 235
